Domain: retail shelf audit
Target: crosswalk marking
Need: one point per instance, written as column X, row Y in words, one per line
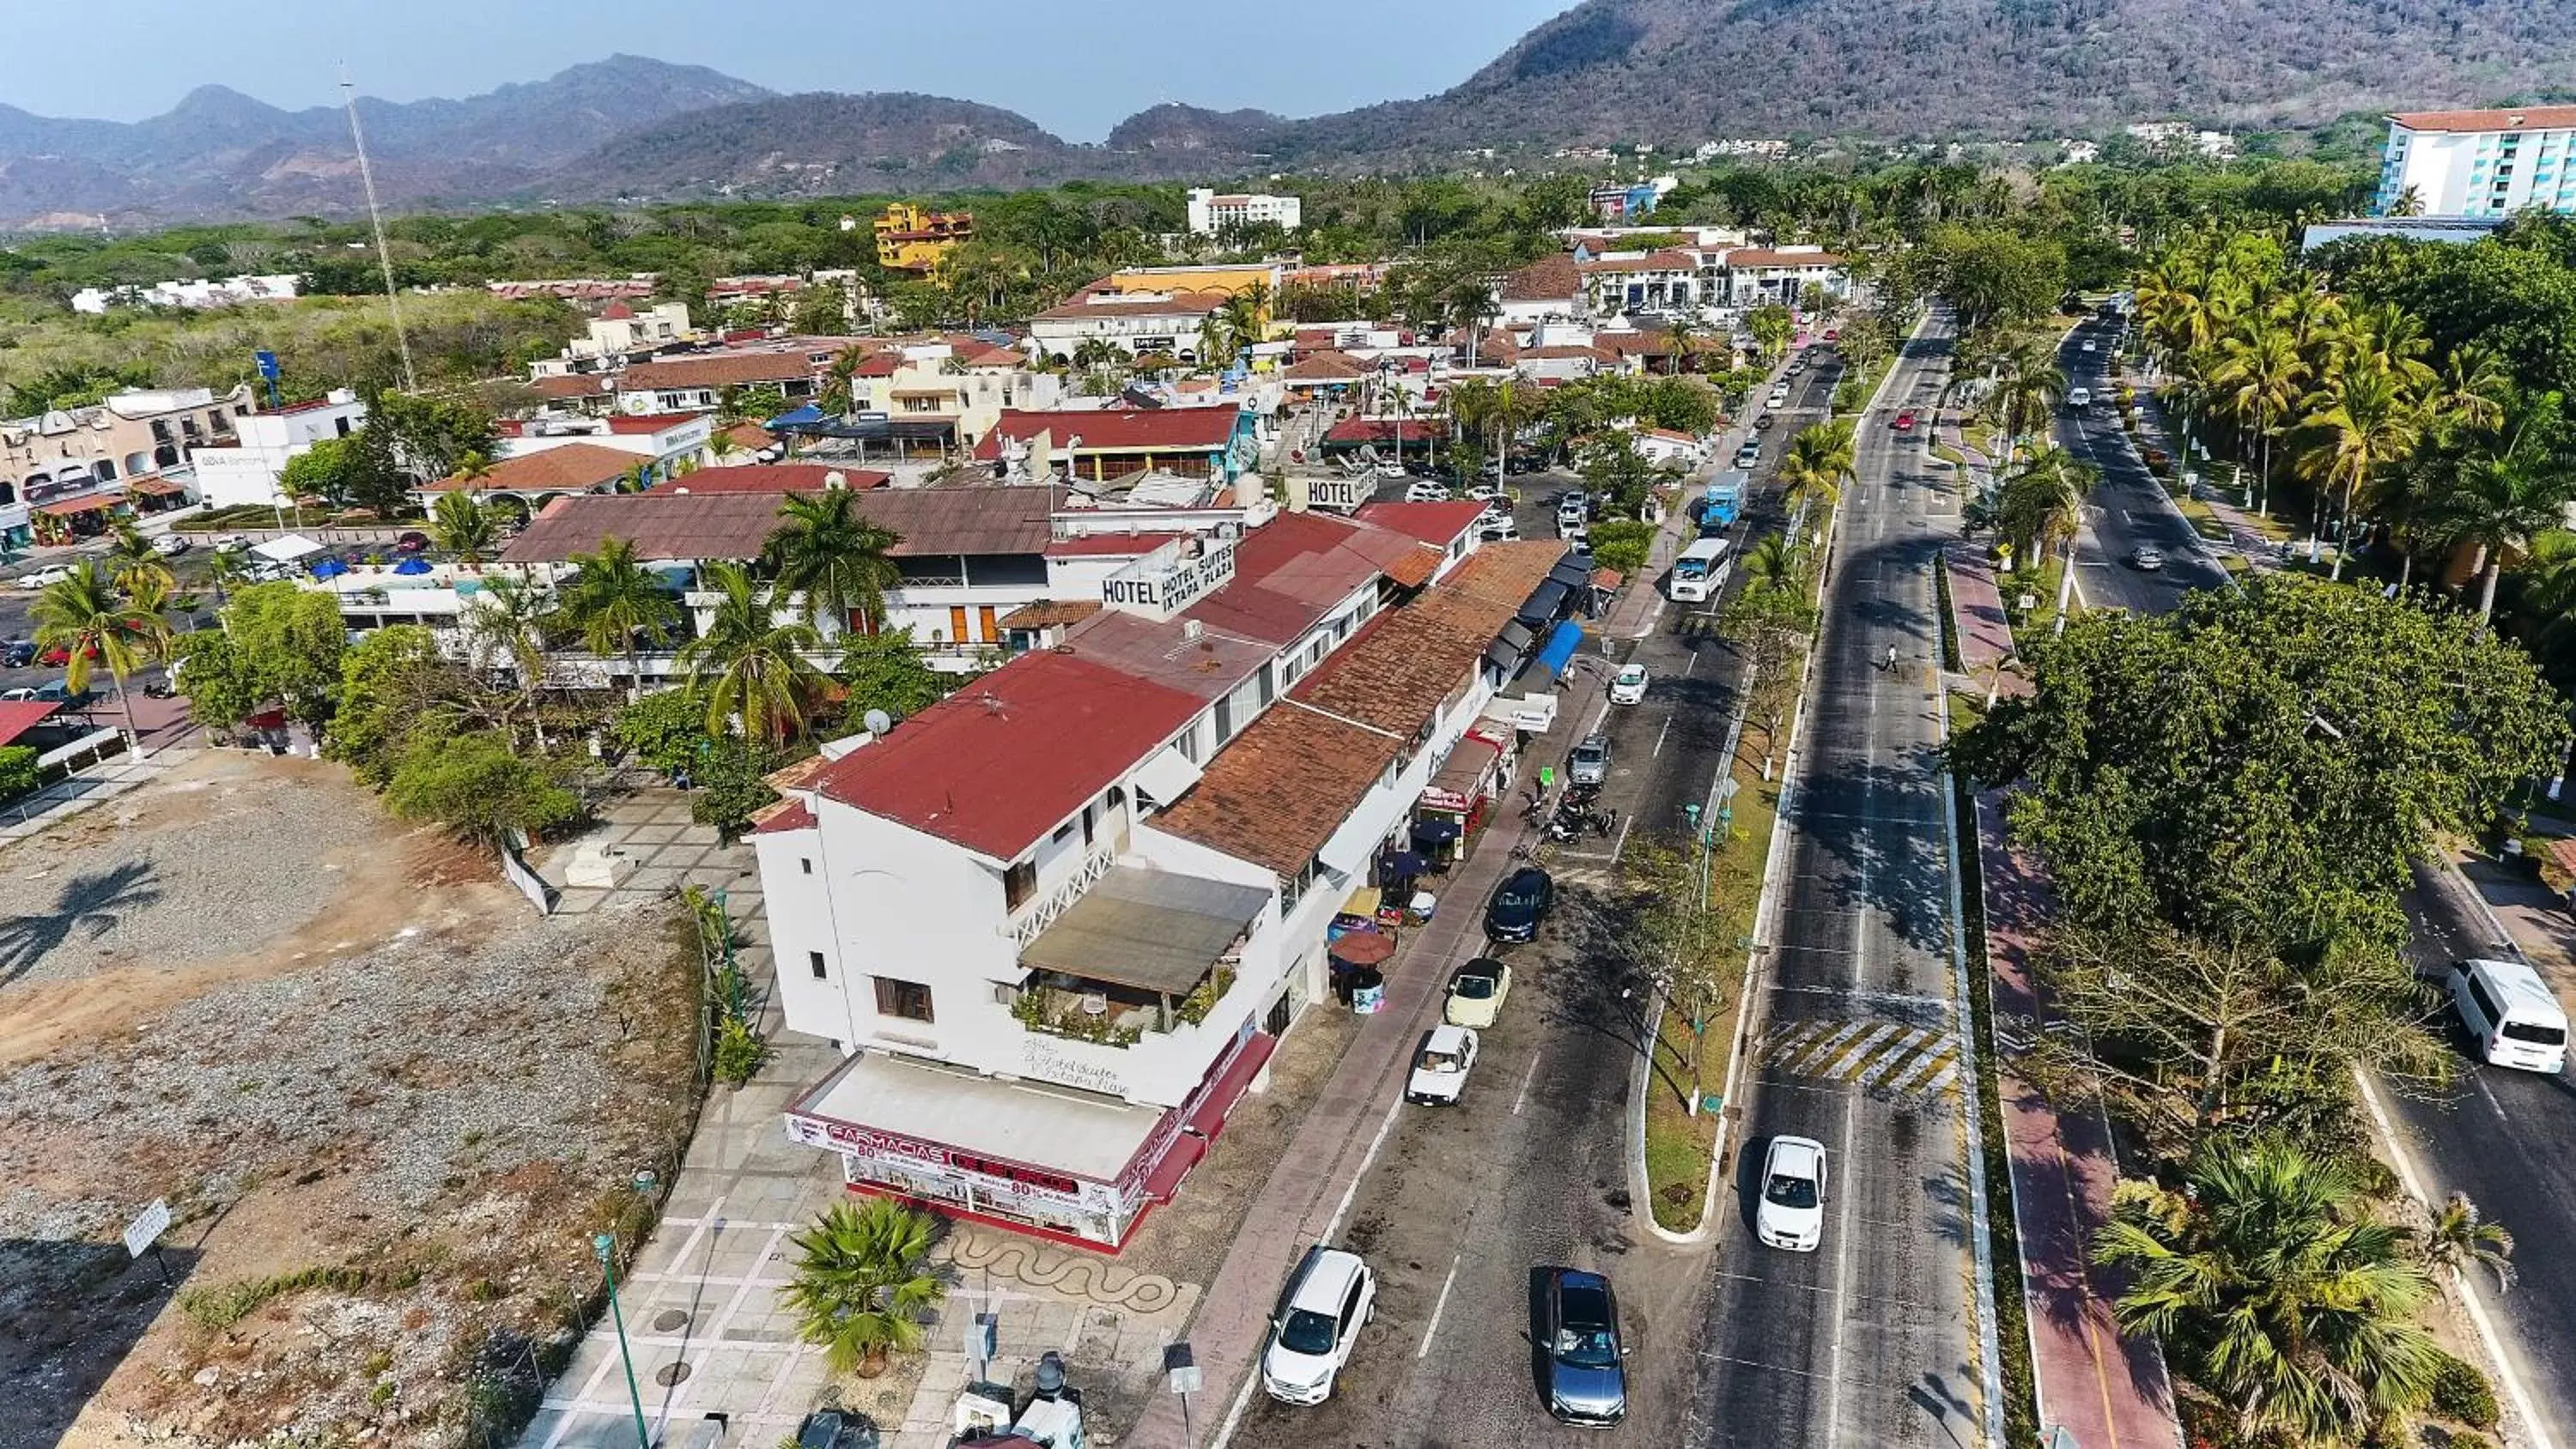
column 1887, row 1059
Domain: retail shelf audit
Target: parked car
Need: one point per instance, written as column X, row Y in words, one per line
column 1590, row 762
column 1578, row 1331
column 1762, row 424
column 1504, row 532
column 1476, row 993
column 1776, row 401
column 1440, row 1067
column 2511, row 1018
column 23, row 694
column 17, row 653
column 1905, row 421
column 231, row 543
column 61, row 692
column 171, row 545
column 1792, row 1212
column 1426, row 492
column 1629, row 685
column 2147, row 558
column 1750, row 455
column 45, row 577
column 1329, row 1299
column 1519, row 904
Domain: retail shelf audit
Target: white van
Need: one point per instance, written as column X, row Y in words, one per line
column 2511, row 1017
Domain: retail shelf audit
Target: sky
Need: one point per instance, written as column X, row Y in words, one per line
column 1076, row 67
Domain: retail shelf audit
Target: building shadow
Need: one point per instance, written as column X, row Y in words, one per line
column 73, row 1312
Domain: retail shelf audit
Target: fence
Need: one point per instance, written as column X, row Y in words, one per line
column 529, row 883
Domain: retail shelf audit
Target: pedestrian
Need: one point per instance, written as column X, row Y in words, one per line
column 1891, row 658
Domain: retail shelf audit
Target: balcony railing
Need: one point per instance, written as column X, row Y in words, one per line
column 1039, row 912
column 1112, row 1016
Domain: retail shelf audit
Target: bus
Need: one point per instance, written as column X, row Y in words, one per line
column 1700, row 571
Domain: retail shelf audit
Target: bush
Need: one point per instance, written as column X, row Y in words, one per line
column 2461, row 1392
column 739, row 1052
column 1622, row 544
column 17, row 771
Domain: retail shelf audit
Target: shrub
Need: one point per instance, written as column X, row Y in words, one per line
column 2461, row 1392
column 739, row 1052
column 17, row 771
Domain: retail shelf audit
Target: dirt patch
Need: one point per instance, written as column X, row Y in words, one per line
column 387, row 1104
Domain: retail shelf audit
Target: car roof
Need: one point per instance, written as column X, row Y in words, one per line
column 1327, row 1280
column 1481, row 966
column 1447, row 1038
column 1799, row 1155
column 1527, row 873
column 1590, row 740
column 2520, row 985
column 1626, row 669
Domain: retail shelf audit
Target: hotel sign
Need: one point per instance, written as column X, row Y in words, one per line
column 1163, row 583
column 1340, row 492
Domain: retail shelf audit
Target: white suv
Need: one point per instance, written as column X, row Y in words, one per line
column 1328, row 1301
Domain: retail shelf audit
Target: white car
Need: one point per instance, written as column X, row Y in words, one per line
column 45, row 577
column 1628, row 686
column 1440, row 1067
column 2088, row 344
column 1777, row 401
column 1427, row 493
column 1504, row 532
column 170, row 545
column 2080, row 398
column 1476, row 992
column 1792, row 1214
column 1328, row 1302
column 1487, row 493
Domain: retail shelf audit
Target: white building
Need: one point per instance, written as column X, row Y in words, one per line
column 195, row 295
column 2479, row 163
column 1059, row 920
column 248, row 472
column 1133, row 322
column 618, row 332
column 1211, row 212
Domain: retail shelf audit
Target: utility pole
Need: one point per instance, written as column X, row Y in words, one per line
column 376, row 219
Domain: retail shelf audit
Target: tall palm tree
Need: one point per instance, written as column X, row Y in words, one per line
column 2472, row 388
column 223, row 572
column 2027, row 385
column 464, row 528
column 2504, row 489
column 133, row 564
column 1217, row 340
column 2041, row 508
column 2460, row 1238
column 833, row 556
column 2361, row 424
column 616, row 603
column 2261, row 375
column 862, row 1285
column 1818, row 461
column 721, row 444
column 2277, row 1290
column 85, row 617
column 761, row 679
column 1776, row 564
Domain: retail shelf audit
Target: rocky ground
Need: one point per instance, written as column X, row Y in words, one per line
column 387, row 1104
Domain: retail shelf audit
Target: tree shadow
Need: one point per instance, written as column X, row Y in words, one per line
column 77, row 1310
column 89, row 905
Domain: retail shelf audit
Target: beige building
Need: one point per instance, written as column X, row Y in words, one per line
column 65, row 473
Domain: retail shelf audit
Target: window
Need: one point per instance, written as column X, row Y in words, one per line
column 1062, row 831
column 814, row 960
column 909, row 1000
column 2486, row 1003
column 807, row 862
column 1018, row 884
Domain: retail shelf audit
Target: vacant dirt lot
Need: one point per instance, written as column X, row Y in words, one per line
column 387, row 1104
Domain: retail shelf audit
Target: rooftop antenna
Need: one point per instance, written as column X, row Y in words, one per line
column 376, row 219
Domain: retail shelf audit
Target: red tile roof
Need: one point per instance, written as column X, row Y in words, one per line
column 774, row 478
column 719, row 369
column 1000, row 763
column 1290, row 572
column 1177, row 304
column 640, row 424
column 1108, row 430
column 571, row 467
column 1664, row 261
column 1549, row 279
column 1438, row 524
column 883, row 364
column 2511, row 118
column 666, row 524
column 1382, row 430
column 1282, row 787
column 1047, row 613
column 1325, row 367
column 782, row 817
column 17, row 716
column 1396, row 675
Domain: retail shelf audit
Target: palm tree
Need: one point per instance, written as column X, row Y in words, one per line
column 2472, row 388
column 223, row 572
column 2460, row 1238
column 464, row 528
column 2363, row 424
column 2041, row 507
column 1217, row 340
column 860, row 1289
column 2027, row 386
column 85, row 618
column 2503, row 489
column 1817, row 463
column 762, row 680
column 2275, row 1289
column 614, row 601
column 134, row 565
column 507, row 620
column 834, row 557
column 1776, row 564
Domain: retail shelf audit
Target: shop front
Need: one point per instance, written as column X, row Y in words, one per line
column 1462, row 794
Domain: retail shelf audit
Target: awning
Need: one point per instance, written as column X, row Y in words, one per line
column 1465, row 768
column 288, row 549
column 1518, row 636
column 1561, row 646
column 1505, row 659
column 1155, row 930
column 1166, row 777
column 1572, row 574
column 1544, row 604
column 1178, row 1159
column 69, row 506
column 805, row 416
column 1208, row 1117
column 156, row 487
column 1349, row 848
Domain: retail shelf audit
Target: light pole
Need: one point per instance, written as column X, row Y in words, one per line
column 605, row 1245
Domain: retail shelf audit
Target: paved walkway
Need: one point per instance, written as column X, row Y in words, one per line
column 1977, row 616
column 1351, row 1115
column 2109, row 1391
column 92, row 787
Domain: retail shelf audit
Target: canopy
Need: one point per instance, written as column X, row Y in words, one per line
column 1154, row 930
column 415, row 564
column 288, row 549
column 804, row 417
column 1545, row 604
column 1401, row 864
column 1434, row 832
column 328, row 567
column 1363, row 948
column 1561, row 646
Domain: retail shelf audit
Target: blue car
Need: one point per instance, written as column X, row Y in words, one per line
column 1578, row 1331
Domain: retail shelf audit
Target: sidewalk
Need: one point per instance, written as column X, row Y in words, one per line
column 1977, row 612
column 93, row 786
column 1356, row 1106
column 2110, row 1392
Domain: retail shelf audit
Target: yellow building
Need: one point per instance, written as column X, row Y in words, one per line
column 910, row 239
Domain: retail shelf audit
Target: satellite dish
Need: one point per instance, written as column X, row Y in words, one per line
column 877, row 721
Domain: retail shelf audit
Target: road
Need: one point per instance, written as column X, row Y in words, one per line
column 1532, row 1168
column 2503, row 1137
column 1866, row 1343
column 2129, row 507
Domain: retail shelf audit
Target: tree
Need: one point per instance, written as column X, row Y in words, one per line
column 2260, row 374
column 1689, row 911
column 2277, row 1290
column 616, row 604
column 1772, row 327
column 1615, row 470
column 2041, row 507
column 221, row 687
column 2262, row 766
column 2460, row 1238
column 1816, row 464
column 506, row 623
column 2504, row 488
column 464, row 528
column 476, row 785
column 885, row 670
column 431, row 437
column 18, row 772
column 862, row 1284
column 665, row 730
column 135, row 565
column 1770, row 621
column 83, row 616
column 2361, row 425
column 752, row 666
column 395, row 686
column 833, row 558
column 292, row 639
column 731, row 783
column 1622, row 544
column 352, row 472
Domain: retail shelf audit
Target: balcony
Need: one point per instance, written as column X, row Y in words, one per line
column 1144, row 951
column 1106, row 1013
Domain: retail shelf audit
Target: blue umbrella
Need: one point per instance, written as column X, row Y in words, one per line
column 412, row 564
column 329, row 568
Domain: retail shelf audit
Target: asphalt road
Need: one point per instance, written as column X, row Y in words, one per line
column 2503, row 1137
column 1866, row 1343
column 2129, row 507
column 1531, row 1168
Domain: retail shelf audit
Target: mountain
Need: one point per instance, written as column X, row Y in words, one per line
column 1688, row 70
column 221, row 153
column 829, row 144
column 1179, row 128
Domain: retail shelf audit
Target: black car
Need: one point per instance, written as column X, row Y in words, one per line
column 17, row 653
column 1578, row 1333
column 836, row 1429
column 1520, row 903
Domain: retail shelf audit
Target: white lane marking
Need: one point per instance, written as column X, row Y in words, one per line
column 2489, row 1093
column 1522, row 1098
column 1437, row 1309
column 1621, row 844
column 1659, row 737
column 1824, row 1051
column 1859, row 1049
column 1896, row 1053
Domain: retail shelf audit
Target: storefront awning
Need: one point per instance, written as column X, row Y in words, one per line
column 69, row 506
column 1217, row 1102
column 879, row 1095
column 1166, row 777
column 156, row 487
column 1466, row 766
column 1517, row 636
column 1155, row 930
column 1561, row 646
column 1574, row 573
column 1544, row 604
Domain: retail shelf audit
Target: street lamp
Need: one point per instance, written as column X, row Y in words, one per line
column 605, row 1245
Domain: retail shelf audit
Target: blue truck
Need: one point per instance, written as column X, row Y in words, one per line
column 1722, row 504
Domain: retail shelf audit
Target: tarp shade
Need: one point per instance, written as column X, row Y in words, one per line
column 1560, row 647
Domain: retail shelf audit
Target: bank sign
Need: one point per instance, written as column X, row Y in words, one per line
column 1159, row 587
